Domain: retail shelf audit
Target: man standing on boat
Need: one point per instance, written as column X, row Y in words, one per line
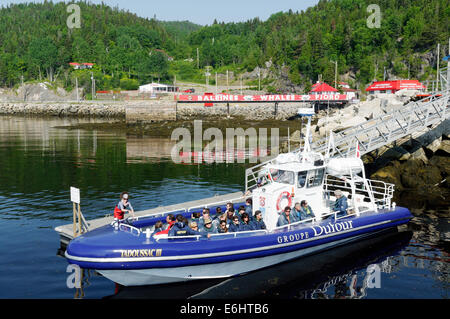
column 341, row 205
column 123, row 207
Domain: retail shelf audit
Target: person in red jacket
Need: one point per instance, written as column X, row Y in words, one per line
column 170, row 219
column 123, row 207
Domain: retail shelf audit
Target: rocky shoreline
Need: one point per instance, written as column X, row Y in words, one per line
column 64, row 109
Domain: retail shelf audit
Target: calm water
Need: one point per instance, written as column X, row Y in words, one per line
column 39, row 163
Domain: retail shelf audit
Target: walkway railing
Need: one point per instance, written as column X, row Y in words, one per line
column 377, row 132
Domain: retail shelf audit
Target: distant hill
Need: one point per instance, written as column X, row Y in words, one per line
column 36, row 44
column 307, row 42
column 180, row 29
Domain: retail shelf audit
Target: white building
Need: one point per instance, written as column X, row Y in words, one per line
column 157, row 88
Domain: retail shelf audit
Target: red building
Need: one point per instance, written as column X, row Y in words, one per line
column 81, row 66
column 323, row 88
column 394, row 86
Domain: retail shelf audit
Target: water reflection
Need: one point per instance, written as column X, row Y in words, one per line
column 338, row 273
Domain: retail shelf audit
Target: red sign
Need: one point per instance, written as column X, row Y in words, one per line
column 261, row 98
column 396, row 85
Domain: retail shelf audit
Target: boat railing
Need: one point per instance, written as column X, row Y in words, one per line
column 160, row 214
column 289, row 226
column 312, row 220
column 120, row 225
column 382, row 192
column 216, row 203
column 233, row 234
column 236, row 234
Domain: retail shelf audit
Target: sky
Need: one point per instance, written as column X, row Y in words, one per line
column 201, row 11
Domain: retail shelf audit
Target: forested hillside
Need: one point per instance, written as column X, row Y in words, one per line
column 334, row 30
column 36, row 44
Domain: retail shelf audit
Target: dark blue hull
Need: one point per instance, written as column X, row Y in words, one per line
column 109, row 249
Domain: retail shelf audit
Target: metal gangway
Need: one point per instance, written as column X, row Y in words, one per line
column 377, row 132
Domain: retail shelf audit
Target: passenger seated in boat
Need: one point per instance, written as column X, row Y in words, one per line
column 229, row 206
column 195, row 217
column 286, row 217
column 208, row 227
column 218, row 212
column 257, row 222
column 123, row 207
column 158, row 228
column 248, row 207
column 193, row 226
column 230, row 215
column 234, row 226
column 245, row 224
column 341, row 204
column 170, row 220
column 219, row 219
column 223, row 227
column 240, row 212
column 205, row 215
column 180, row 228
column 297, row 211
column 306, row 211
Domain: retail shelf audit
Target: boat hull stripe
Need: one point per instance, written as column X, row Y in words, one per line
column 224, row 253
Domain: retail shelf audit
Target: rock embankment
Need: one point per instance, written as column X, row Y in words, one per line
column 257, row 111
column 64, row 109
column 39, row 92
column 421, row 162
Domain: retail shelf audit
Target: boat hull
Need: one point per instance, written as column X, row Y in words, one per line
column 155, row 276
column 133, row 260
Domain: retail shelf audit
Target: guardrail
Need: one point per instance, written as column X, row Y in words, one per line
column 216, row 203
column 232, row 234
column 186, row 210
column 161, row 214
column 119, row 225
column 382, row 192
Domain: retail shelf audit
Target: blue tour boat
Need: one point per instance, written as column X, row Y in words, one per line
column 128, row 254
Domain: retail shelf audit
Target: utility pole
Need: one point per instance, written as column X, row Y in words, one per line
column 76, row 88
column 198, row 60
column 93, row 84
column 216, row 84
column 228, row 88
column 259, row 79
column 437, row 73
column 335, row 74
column 448, row 66
column 241, row 84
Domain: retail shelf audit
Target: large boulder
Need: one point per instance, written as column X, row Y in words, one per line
column 420, row 177
column 420, row 155
column 389, row 174
column 441, row 162
column 444, row 147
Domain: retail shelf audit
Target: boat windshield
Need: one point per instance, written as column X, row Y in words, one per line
column 315, row 177
column 284, row 177
column 302, row 179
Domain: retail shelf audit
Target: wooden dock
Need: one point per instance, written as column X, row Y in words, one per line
column 66, row 231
